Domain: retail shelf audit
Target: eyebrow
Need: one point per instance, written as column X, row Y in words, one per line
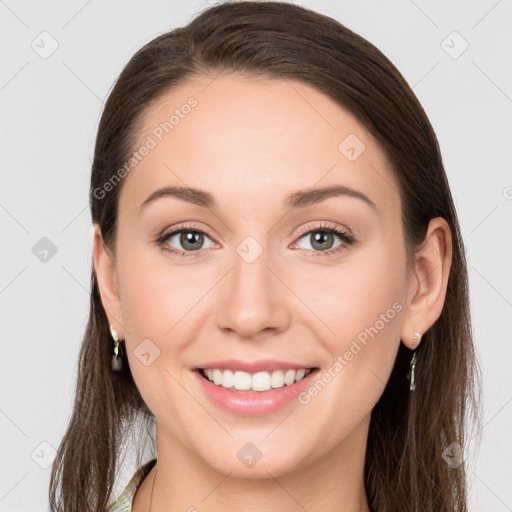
column 297, row 199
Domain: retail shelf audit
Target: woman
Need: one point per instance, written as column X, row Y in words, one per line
column 280, row 375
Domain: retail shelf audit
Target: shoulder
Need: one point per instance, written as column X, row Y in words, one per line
column 125, row 500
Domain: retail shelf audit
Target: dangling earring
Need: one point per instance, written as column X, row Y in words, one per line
column 117, row 361
column 410, row 376
column 412, row 385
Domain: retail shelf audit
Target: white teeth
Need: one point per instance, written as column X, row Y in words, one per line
column 241, row 381
column 289, row 377
column 228, row 379
column 216, row 376
column 261, row 381
column 300, row 374
column 277, row 379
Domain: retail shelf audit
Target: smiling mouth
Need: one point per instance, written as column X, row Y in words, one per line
column 255, row 382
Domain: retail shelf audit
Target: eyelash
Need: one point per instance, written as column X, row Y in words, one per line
column 324, row 228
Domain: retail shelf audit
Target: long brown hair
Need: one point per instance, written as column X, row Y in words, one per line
column 405, row 466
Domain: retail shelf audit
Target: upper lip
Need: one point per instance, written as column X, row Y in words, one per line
column 264, row 365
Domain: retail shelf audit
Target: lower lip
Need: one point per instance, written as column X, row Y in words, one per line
column 253, row 403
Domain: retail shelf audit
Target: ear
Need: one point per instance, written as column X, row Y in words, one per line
column 104, row 267
column 427, row 283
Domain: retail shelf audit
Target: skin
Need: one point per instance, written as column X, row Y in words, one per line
column 250, row 142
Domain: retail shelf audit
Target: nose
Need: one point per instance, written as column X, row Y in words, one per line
column 253, row 299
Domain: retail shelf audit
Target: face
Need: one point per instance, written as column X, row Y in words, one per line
column 260, row 273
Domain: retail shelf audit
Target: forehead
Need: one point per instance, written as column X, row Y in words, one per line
column 238, row 136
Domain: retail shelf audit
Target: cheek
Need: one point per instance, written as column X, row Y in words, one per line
column 147, row 312
column 361, row 302
column 142, row 300
column 376, row 300
column 160, row 303
column 154, row 304
column 365, row 289
column 155, row 294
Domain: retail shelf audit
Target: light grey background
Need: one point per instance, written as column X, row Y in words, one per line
column 50, row 111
